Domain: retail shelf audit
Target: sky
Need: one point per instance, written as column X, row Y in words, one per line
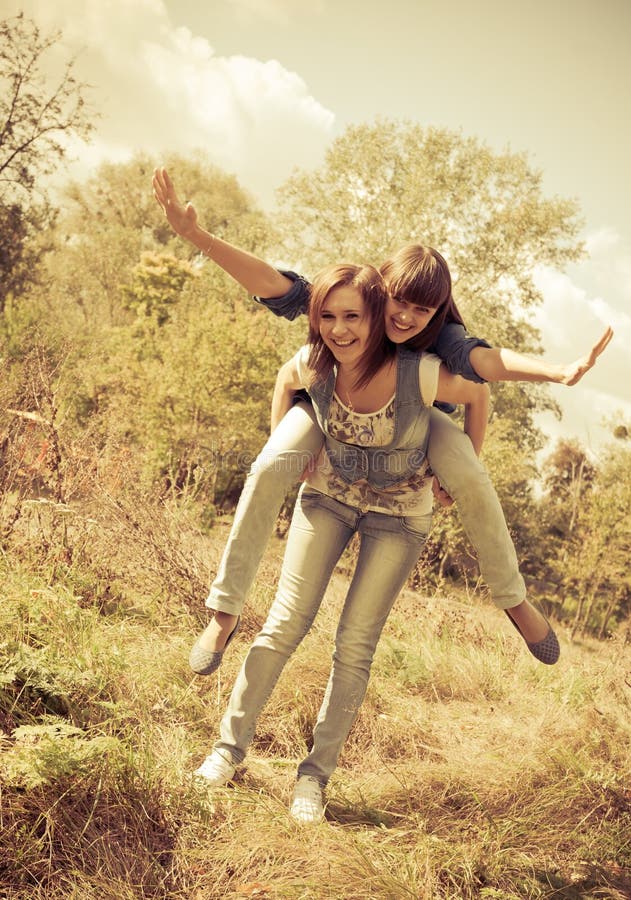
column 264, row 86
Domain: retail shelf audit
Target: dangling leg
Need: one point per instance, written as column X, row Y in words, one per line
column 278, row 467
column 461, row 473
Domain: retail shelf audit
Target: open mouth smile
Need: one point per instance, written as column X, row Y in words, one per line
column 400, row 326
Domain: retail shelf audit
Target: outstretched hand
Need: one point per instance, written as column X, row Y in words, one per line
column 574, row 371
column 182, row 218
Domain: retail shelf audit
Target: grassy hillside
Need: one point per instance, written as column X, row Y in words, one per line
column 472, row 771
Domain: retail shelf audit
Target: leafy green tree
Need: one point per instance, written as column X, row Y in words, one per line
column 168, row 364
column 390, row 183
column 157, row 282
column 206, row 409
column 37, row 116
column 112, row 218
column 601, row 549
column 184, row 396
column 586, row 525
column 387, row 184
column 568, row 477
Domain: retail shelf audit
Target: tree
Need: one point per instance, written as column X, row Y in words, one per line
column 600, row 564
column 167, row 363
column 391, row 183
column 112, row 218
column 157, row 283
column 568, row 476
column 586, row 522
column 384, row 185
column 37, row 118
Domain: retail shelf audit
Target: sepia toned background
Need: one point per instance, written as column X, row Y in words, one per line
column 264, row 86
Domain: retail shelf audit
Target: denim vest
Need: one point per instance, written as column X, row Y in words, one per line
column 397, row 461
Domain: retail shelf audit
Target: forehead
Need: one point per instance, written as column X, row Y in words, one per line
column 344, row 298
column 412, row 301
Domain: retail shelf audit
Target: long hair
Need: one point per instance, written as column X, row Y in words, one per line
column 370, row 285
column 420, row 275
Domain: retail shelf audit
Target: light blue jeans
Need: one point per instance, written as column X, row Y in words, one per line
column 321, row 528
column 296, row 440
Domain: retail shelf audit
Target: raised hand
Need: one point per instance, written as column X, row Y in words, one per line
column 182, row 218
column 573, row 372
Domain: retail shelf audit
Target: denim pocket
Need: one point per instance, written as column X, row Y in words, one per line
column 418, row 526
column 311, row 498
column 310, row 494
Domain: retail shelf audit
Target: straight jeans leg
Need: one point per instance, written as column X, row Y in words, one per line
column 293, row 444
column 453, row 459
column 316, row 539
column 390, row 547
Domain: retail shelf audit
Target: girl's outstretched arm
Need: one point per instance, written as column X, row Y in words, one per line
column 287, row 383
column 501, row 364
column 255, row 275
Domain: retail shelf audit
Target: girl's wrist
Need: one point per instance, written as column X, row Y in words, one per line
column 200, row 238
column 210, row 243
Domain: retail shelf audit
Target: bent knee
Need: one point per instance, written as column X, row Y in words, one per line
column 270, row 464
column 459, row 466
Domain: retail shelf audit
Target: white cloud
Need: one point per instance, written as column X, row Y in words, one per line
column 602, row 241
column 586, row 416
column 277, row 11
column 610, row 262
column 163, row 89
column 249, row 113
column 576, row 309
column 569, row 313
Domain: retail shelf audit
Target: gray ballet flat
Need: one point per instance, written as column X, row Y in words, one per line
column 546, row 650
column 205, row 662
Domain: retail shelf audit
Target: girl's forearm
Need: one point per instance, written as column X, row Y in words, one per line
column 281, row 404
column 507, row 365
column 252, row 273
column 476, row 400
column 255, row 275
column 476, row 417
column 501, row 364
column 284, row 389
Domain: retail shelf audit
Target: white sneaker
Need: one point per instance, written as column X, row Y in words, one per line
column 306, row 804
column 215, row 771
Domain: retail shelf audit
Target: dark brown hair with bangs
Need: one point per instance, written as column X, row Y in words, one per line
column 420, row 275
column 368, row 281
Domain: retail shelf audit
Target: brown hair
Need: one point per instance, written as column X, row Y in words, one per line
column 368, row 281
column 420, row 275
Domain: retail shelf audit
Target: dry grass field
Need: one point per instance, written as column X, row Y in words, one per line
column 472, row 771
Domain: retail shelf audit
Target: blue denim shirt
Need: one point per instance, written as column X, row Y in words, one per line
column 454, row 343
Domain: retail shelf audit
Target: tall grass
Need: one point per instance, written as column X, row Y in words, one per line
column 472, row 771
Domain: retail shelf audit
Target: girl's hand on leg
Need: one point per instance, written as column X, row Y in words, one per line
column 441, row 494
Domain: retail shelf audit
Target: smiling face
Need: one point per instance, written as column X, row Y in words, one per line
column 419, row 301
column 345, row 325
column 346, row 322
column 404, row 320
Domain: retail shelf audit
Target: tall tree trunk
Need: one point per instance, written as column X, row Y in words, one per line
column 577, row 617
column 588, row 611
column 608, row 612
